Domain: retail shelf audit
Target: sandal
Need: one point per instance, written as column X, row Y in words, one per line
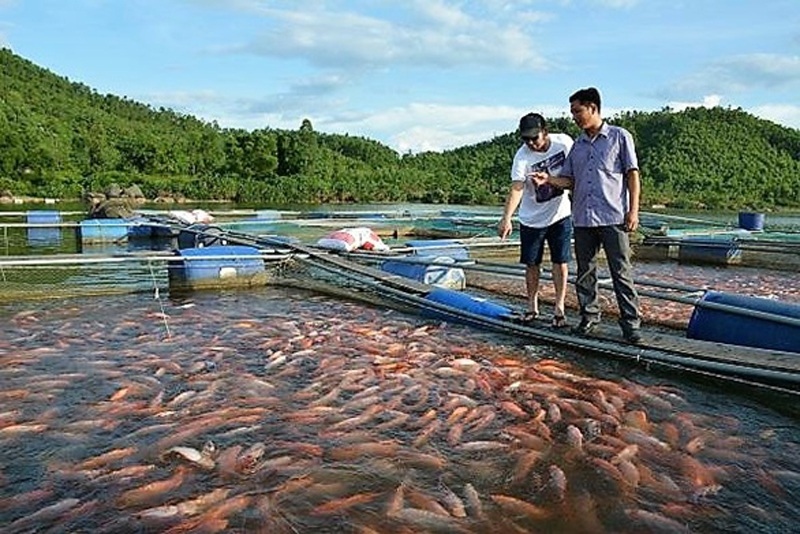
column 527, row 317
column 559, row 321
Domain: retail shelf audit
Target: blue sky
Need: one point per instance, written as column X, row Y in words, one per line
column 416, row 74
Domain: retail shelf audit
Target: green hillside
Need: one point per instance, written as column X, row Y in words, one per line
column 61, row 139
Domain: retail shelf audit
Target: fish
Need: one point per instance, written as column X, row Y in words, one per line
column 455, row 504
column 395, row 419
column 646, row 521
column 186, row 508
column 425, row 435
column 397, row 500
column 356, row 421
column 202, row 459
column 106, row 458
column 22, row 428
column 152, row 490
column 387, row 448
column 524, row 465
column 634, row 435
column 704, row 492
column 247, row 461
column 336, row 506
column 473, row 502
column 481, row 446
column 628, row 453
column 433, row 462
column 574, row 437
column 430, row 521
column 513, row 409
column 124, row 475
column 527, row 440
column 556, row 483
column 630, row 473
column 520, row 508
column 27, row 498
column 458, row 413
column 420, row 499
column 454, row 434
column 42, row 516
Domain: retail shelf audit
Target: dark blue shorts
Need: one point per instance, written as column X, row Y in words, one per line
column 558, row 237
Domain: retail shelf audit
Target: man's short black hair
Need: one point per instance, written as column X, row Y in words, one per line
column 590, row 95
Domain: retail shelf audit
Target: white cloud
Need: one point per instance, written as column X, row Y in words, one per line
column 430, row 34
column 708, row 101
column 785, row 114
column 744, row 72
column 422, row 127
column 617, row 4
column 440, row 12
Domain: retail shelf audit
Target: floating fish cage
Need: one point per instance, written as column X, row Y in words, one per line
column 144, row 229
column 45, row 227
column 216, row 267
column 96, row 274
column 722, row 250
column 265, row 221
column 103, row 230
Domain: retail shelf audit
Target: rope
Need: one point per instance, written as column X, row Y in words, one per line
column 157, row 297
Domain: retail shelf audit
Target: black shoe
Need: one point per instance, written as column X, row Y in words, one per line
column 586, row 326
column 632, row 336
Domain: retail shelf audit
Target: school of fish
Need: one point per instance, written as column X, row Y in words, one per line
column 278, row 411
column 771, row 284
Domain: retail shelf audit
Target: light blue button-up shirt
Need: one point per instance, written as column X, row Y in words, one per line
column 598, row 168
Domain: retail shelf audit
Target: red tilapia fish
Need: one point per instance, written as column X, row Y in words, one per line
column 296, row 414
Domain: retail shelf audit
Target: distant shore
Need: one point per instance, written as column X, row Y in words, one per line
column 24, row 200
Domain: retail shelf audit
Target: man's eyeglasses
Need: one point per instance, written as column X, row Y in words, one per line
column 528, row 139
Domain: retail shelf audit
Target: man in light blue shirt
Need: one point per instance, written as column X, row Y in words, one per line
column 603, row 172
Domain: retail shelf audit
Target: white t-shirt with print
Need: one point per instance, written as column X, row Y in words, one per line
column 542, row 206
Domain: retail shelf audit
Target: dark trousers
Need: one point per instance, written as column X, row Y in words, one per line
column 615, row 243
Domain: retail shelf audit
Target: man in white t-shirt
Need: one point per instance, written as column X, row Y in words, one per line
column 544, row 212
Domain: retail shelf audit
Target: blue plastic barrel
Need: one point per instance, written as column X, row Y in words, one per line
column 469, row 303
column 440, row 274
column 724, row 326
column 140, row 228
column 44, row 235
column 452, row 248
column 103, row 230
column 415, row 271
column 751, row 221
column 217, row 266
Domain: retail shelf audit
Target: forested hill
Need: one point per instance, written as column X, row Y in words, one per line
column 60, row 138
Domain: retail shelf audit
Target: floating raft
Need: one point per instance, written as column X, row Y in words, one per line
column 752, row 365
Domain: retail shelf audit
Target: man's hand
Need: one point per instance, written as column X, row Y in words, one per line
column 631, row 221
column 504, row 228
column 539, row 177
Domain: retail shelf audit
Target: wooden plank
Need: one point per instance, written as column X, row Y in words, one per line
column 708, row 350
